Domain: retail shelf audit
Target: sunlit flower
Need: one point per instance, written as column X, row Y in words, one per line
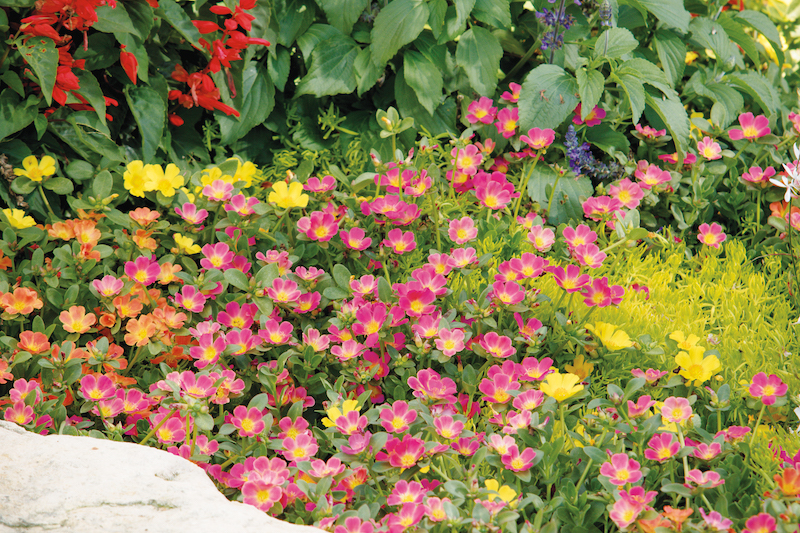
column 288, row 196
column 163, row 181
column 752, row 127
column 185, row 245
column 481, row 111
column 76, row 320
column 36, row 170
column 709, row 149
column 676, row 410
column 612, row 338
column 22, row 301
column 621, row 470
column 767, row 388
column 711, row 235
column 561, row 386
column 695, row 367
column 17, row 218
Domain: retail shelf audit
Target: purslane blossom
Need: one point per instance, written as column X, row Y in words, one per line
column 767, row 388
column 561, row 386
column 751, row 127
column 711, row 235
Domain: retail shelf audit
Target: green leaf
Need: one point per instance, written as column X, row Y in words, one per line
column 758, row 88
column 332, row 68
column 23, row 185
column 102, row 184
column 314, row 35
column 342, row 14
column 761, row 23
column 456, row 19
column 174, row 14
column 736, row 31
column 438, row 10
column 670, row 12
column 426, row 80
column 673, row 114
column 91, row 90
column 141, row 15
column 398, row 24
column 12, row 80
column 647, row 73
column 443, row 120
column 102, row 52
column 479, row 53
column 606, row 138
column 17, row 3
column 620, row 42
column 496, row 13
column 59, row 185
column 712, row 35
column 547, row 97
column 14, row 116
column 237, row 278
column 278, row 67
column 672, row 54
column 295, row 17
column 150, row 113
column 367, row 72
column 257, row 104
column 335, row 293
column 590, row 87
column 729, row 98
column 40, row 53
column 79, row 170
column 568, row 196
column 114, row 19
column 341, row 275
column 385, row 293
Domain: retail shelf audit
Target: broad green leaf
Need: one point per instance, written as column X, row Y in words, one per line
column 40, row 53
column 114, row 19
column 174, row 14
column 456, row 19
column 59, row 185
column 257, row 104
column 237, row 278
column 91, row 90
column 634, row 89
column 647, row 73
column 102, row 185
column 758, row 88
column 341, row 275
column 443, row 120
column 314, row 35
column 736, row 31
column 761, row 23
column 342, row 14
column 568, row 196
column 398, row 24
column 332, row 68
column 278, row 67
column 496, row 13
column 670, row 12
column 12, row 79
column 426, row 80
column 102, row 52
column 150, row 114
column 86, row 125
column 619, row 40
column 17, row 3
column 712, row 35
column 367, row 72
column 438, row 10
column 606, row 138
column 590, row 87
column 672, row 54
column 547, row 97
column 673, row 114
column 729, row 98
column 141, row 15
column 295, row 17
column 479, row 53
column 14, row 115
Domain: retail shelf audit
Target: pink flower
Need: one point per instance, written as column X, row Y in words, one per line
column 752, row 127
column 217, row 256
column 706, row 480
column 450, row 342
column 767, row 388
column 191, row 299
column 589, row 255
column 760, row 523
column 539, row 139
column 283, row 291
column 638, row 496
column 467, row 159
column 496, row 389
column 513, row 95
column 418, row 303
column 275, row 332
column 351, row 423
column 569, row 279
column 516, row 461
column 191, row 214
column 328, row 183
column 402, row 453
column 594, row 117
column 242, row 204
column 398, row 417
column 498, row 346
column 448, row 428
column 462, row 231
column 408, row 516
column 621, row 470
column 462, row 258
column 96, row 387
column 318, row 226
column 405, row 492
column 301, row 448
column 429, row 385
column 508, row 293
column 481, row 111
column 707, row 452
column 650, row 175
column 529, row 400
column 542, row 238
column 600, row 207
column 143, row 270
column 19, row 413
column 249, row 422
column 676, row 410
column 108, row 286
column 758, row 176
column 711, row 235
column 651, row 375
column 218, row 191
column 628, row 193
column 400, row 242
column 642, row 405
column 709, row 149
column 506, row 123
column 648, row 132
column 260, row 494
column 583, row 234
column 662, row 448
column 599, row 293
column 348, row 350
column 493, row 195
column 715, row 521
column 355, row 239
column 529, row 265
column 353, row 524
column 625, row 512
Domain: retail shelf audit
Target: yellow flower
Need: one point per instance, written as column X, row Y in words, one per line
column 288, row 196
column 334, row 413
column 684, row 343
column 690, row 57
column 695, row 367
column 505, row 493
column 17, row 218
column 561, row 386
column 135, row 178
column 580, row 368
column 157, row 179
column 189, row 194
column 245, row 173
column 186, row 245
column 213, row 174
column 36, row 170
column 610, row 336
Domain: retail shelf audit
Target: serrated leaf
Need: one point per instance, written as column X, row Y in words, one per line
column 14, row 115
column 761, row 23
column 426, row 80
column 568, row 196
column 736, row 31
column 443, row 119
column 672, row 54
column 332, row 68
column 257, row 104
column 712, row 35
column 174, row 14
column 314, row 35
column 547, row 97
column 727, row 96
column 114, row 19
column 41, row 54
column 90, row 89
column 758, row 88
column 590, row 87
column 295, row 16
column 479, row 53
column 342, row 14
column 398, row 24
column 367, row 72
column 670, row 12
column 674, row 116
column 496, row 13
column 620, row 42
column 150, row 112
column 456, row 19
column 141, row 15
column 278, row 67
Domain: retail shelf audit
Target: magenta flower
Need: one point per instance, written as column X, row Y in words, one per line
column 648, row 132
column 481, row 111
column 662, row 448
column 676, row 410
column 193, row 385
column 650, row 175
column 351, row 423
column 758, row 176
column 327, row 183
column 301, row 448
column 529, row 265
column 583, row 234
column 19, row 413
column 191, row 299
column 417, row 303
column 621, row 470
column 569, row 279
column 542, row 238
column 625, row 512
column 260, row 494
column 760, row 523
column 407, row 517
column 399, row 241
column 173, row 430
column 628, row 193
column 651, row 374
column 600, row 207
column 513, row 95
column 402, row 453
column 462, row 258
column 447, row 427
column 450, row 342
column 715, row 521
column 96, row 387
column 242, row 204
column 244, row 339
column 507, row 120
column 709, row 149
column 509, row 293
column 752, row 127
column 318, row 226
column 249, row 422
column 599, row 293
column 108, row 286
column 355, row 239
column 493, row 194
column 217, row 256
column 531, row 369
column 538, row 138
column 496, row 388
column 529, row 400
column 405, row 492
column 462, row 231
column 498, row 346
column 283, row 291
column 706, row 480
column 594, row 117
column 638, row 496
column 467, row 159
column 466, row 446
column 767, row 388
column 642, row 405
column 191, row 214
column 711, row 235
column 516, row 461
column 589, row 255
column 398, row 417
column 706, row 452
column 144, row 270
column 429, row 385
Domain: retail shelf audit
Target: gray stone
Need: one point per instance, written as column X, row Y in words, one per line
column 79, row 484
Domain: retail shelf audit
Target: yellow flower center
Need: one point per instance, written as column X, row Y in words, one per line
column 398, row 422
column 769, row 390
column 408, row 460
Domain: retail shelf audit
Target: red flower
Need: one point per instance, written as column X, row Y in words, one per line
column 129, row 63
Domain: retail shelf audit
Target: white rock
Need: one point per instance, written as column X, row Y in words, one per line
column 61, row 483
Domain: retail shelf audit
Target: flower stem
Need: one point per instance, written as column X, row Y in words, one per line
column 583, row 477
column 758, row 421
column 552, row 194
column 158, row 426
column 46, row 202
column 524, row 178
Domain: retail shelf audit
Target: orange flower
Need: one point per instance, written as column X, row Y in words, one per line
column 86, row 232
column 107, row 320
column 122, row 381
column 62, row 230
column 174, row 356
column 33, row 343
column 90, row 215
column 76, row 320
column 789, row 482
column 169, row 317
column 22, row 301
column 144, row 241
column 168, row 271
column 144, row 216
column 649, row 526
column 126, row 307
column 140, row 331
column 88, row 252
column 5, row 262
column 5, row 377
column 677, row 516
